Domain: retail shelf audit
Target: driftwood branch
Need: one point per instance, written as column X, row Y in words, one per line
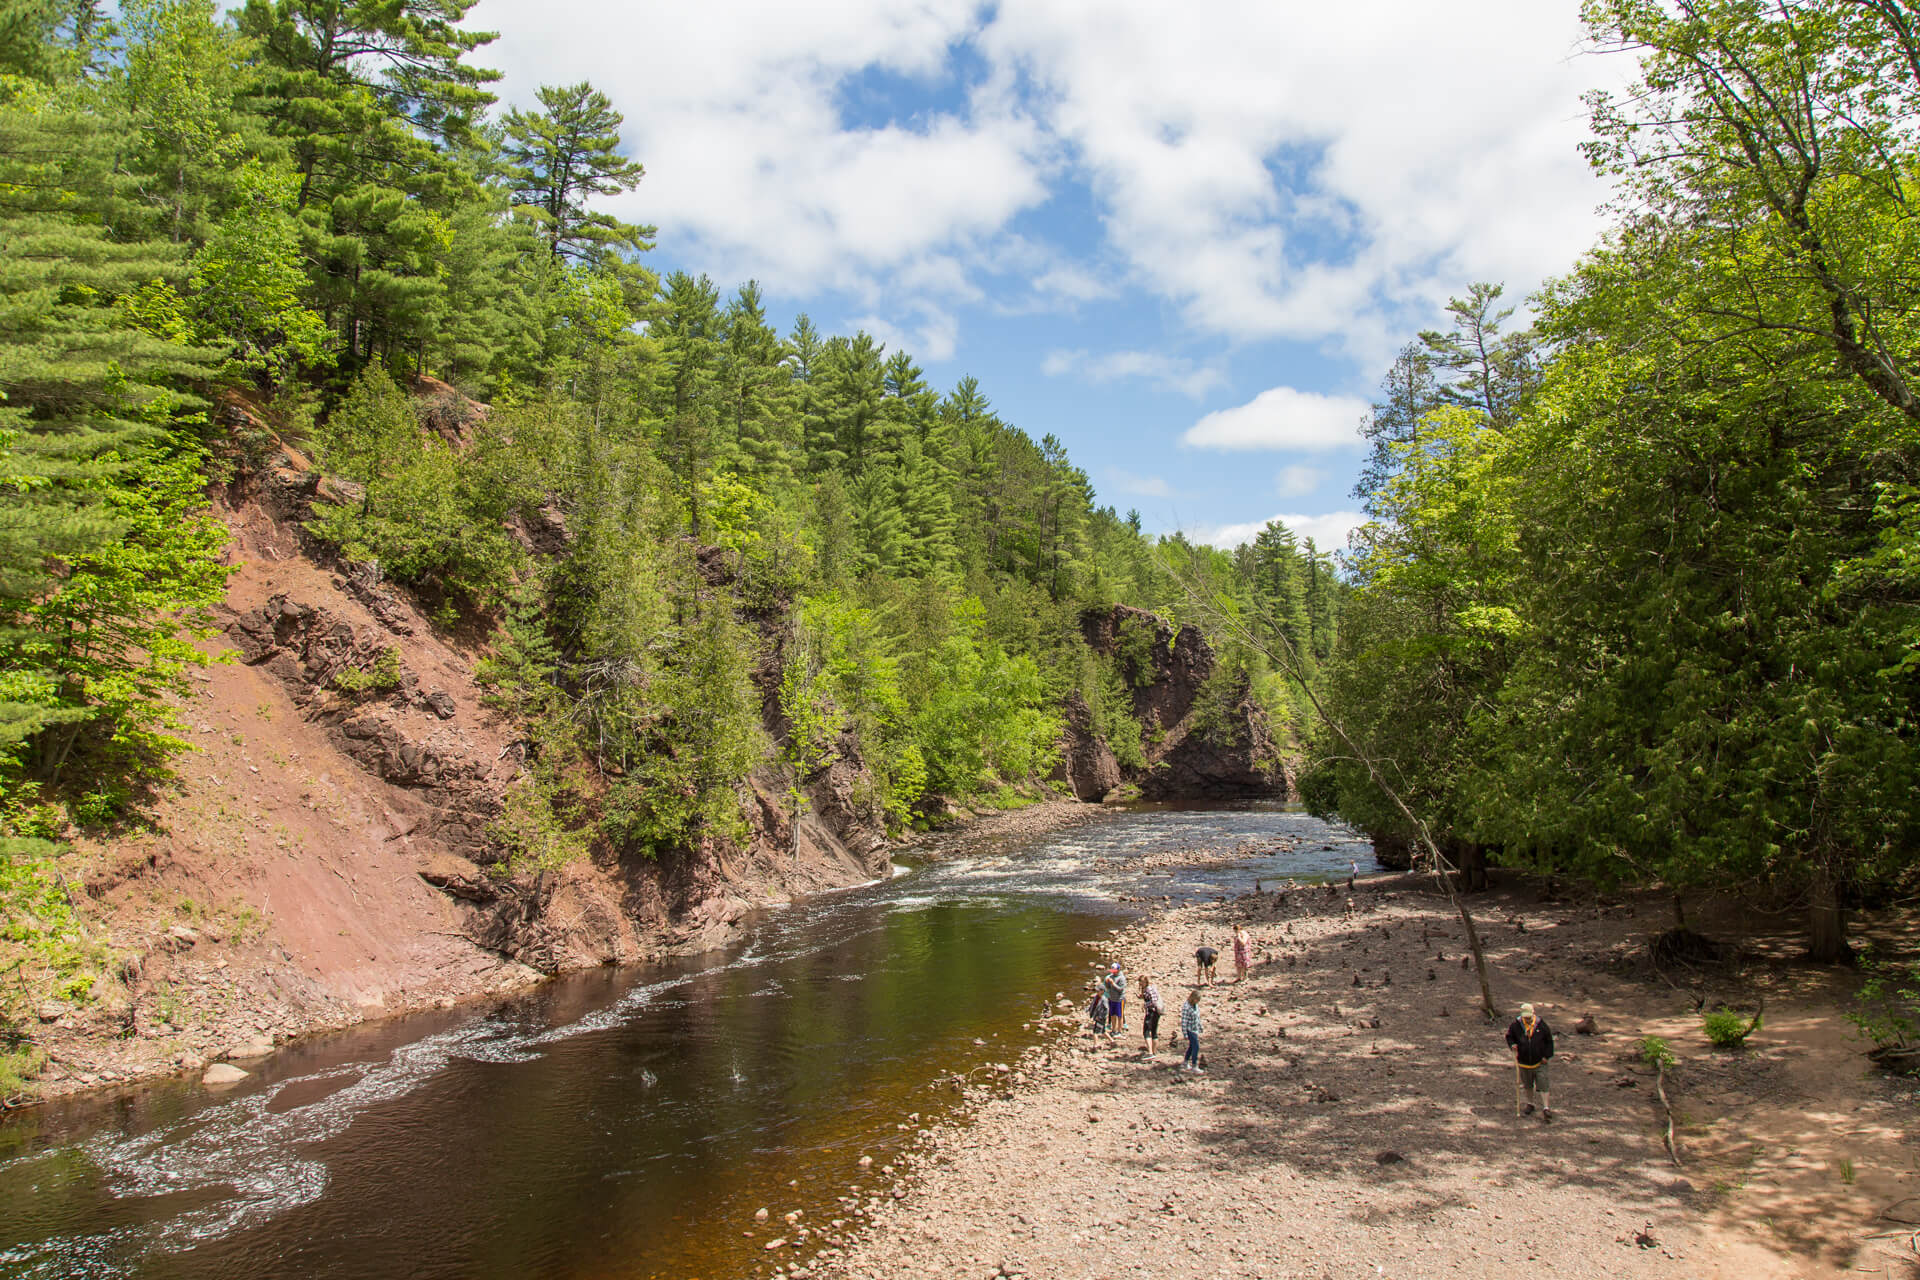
column 1660, row 1088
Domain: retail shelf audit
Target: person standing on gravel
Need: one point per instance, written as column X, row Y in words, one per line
column 1242, row 953
column 1532, row 1043
column 1190, row 1028
column 1115, row 986
column 1150, row 1018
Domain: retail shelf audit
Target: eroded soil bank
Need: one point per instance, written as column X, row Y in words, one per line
column 1357, row 1117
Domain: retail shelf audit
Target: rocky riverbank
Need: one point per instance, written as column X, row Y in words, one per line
column 1357, row 1117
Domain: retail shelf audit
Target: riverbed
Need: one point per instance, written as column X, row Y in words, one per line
column 622, row 1123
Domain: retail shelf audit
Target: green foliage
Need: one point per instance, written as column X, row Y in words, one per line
column 1887, row 1006
column 381, row 675
column 1728, row 1028
column 430, row 513
column 44, row 945
column 562, row 156
column 1655, row 1053
column 981, row 714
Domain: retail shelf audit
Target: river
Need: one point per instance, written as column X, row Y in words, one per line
column 619, row 1123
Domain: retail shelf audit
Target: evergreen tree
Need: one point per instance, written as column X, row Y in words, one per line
column 687, row 385
column 1409, row 393
column 1490, row 371
column 562, row 157
column 86, row 452
column 757, row 382
column 852, row 387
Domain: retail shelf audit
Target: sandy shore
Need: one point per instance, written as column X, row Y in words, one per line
column 1357, row 1118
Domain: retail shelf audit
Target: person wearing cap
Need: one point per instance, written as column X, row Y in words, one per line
column 1532, row 1043
column 1115, row 985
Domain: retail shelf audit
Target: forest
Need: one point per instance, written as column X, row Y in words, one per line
column 309, row 223
column 1636, row 605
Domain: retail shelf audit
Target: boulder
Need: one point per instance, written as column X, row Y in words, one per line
column 223, row 1073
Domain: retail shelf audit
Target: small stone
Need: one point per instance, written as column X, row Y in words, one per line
column 760, row 1215
column 222, row 1073
column 778, row 1242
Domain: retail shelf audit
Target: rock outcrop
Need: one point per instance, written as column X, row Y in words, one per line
column 1198, row 743
column 1087, row 763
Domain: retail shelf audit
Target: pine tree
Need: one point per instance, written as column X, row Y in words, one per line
column 562, row 157
column 808, row 357
column 362, row 91
column 852, row 387
column 1491, row 371
column 687, row 386
column 757, row 383
column 1409, row 393
column 84, row 410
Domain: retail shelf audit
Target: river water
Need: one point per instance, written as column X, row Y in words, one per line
column 620, row 1123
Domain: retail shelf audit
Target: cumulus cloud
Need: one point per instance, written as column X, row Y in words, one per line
column 1281, row 418
column 1297, row 481
column 1329, row 531
column 1126, row 482
column 1319, row 173
column 1165, row 372
column 934, row 338
column 1310, row 172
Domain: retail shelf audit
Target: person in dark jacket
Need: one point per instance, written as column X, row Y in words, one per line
column 1532, row 1043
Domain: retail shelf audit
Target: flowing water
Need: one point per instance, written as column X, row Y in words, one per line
column 621, row 1123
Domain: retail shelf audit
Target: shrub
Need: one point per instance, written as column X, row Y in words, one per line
column 1655, row 1053
column 1728, row 1028
column 1887, row 1008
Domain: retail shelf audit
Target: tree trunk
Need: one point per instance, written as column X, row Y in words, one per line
column 1827, row 919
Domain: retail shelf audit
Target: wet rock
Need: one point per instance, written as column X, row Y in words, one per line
column 223, row 1073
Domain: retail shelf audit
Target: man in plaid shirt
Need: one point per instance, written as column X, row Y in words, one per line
column 1190, row 1028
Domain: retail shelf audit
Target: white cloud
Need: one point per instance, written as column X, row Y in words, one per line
column 1298, row 481
column 1317, row 172
column 1125, row 482
column 751, row 172
column 934, row 339
column 1322, row 173
column 1281, row 418
column 1168, row 373
column 1329, row 531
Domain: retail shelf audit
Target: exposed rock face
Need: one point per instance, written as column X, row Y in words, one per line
column 1167, row 670
column 1086, row 763
column 353, row 680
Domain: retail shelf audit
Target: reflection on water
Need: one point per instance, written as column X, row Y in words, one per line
column 617, row 1123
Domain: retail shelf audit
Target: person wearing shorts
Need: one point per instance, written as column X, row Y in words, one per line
column 1150, row 1019
column 1532, row 1043
column 1115, row 986
column 1203, row 961
column 1242, row 953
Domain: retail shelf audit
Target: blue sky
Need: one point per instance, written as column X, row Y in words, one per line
column 1188, row 243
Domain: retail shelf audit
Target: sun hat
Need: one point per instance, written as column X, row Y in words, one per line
column 1526, row 1011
